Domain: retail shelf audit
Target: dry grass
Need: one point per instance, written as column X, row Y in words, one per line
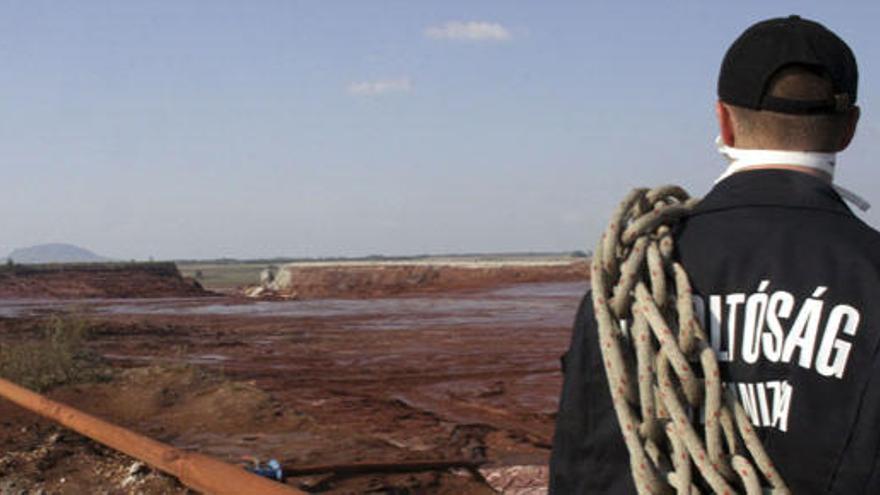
column 57, row 356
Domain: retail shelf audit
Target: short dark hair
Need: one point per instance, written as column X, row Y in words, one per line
column 806, row 132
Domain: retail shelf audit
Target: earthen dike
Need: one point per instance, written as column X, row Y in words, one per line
column 96, row 280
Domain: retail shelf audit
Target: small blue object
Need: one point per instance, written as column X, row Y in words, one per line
column 271, row 470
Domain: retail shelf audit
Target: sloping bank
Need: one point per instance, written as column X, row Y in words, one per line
column 97, row 280
column 312, row 280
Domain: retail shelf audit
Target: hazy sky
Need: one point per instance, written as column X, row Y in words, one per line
column 201, row 129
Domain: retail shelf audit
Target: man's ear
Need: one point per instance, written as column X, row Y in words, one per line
column 725, row 124
column 851, row 123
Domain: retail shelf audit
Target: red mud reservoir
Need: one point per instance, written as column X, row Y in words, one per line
column 466, row 375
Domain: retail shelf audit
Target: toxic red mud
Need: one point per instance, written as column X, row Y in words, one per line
column 469, row 375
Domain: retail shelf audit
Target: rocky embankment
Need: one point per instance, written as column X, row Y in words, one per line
column 367, row 280
column 96, row 280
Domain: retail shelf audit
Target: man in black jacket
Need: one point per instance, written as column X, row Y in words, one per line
column 786, row 279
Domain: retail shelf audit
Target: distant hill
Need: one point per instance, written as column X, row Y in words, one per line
column 54, row 253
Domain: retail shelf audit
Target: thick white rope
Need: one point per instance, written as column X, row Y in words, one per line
column 661, row 371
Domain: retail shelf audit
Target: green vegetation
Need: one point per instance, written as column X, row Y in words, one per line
column 57, row 356
column 218, row 276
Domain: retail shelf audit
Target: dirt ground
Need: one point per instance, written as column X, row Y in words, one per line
column 91, row 280
column 461, row 386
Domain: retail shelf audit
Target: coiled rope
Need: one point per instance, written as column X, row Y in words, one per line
column 661, row 370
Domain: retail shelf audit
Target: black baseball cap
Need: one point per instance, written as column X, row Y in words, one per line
column 769, row 46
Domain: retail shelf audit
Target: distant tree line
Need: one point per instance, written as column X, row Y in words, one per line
column 381, row 257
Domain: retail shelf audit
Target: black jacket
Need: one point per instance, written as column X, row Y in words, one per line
column 788, row 281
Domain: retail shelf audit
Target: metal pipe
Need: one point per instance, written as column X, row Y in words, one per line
column 199, row 472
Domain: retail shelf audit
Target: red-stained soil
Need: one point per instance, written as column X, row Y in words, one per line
column 467, row 376
column 75, row 281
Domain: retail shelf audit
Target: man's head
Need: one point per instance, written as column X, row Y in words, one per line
column 788, row 84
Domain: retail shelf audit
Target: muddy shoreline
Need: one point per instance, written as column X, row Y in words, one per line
column 470, row 375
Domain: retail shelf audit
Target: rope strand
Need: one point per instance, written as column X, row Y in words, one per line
column 661, row 370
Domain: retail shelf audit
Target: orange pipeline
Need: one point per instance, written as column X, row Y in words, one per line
column 199, row 472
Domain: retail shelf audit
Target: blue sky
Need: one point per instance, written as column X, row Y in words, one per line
column 197, row 129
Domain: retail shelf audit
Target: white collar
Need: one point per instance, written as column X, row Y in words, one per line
column 741, row 159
